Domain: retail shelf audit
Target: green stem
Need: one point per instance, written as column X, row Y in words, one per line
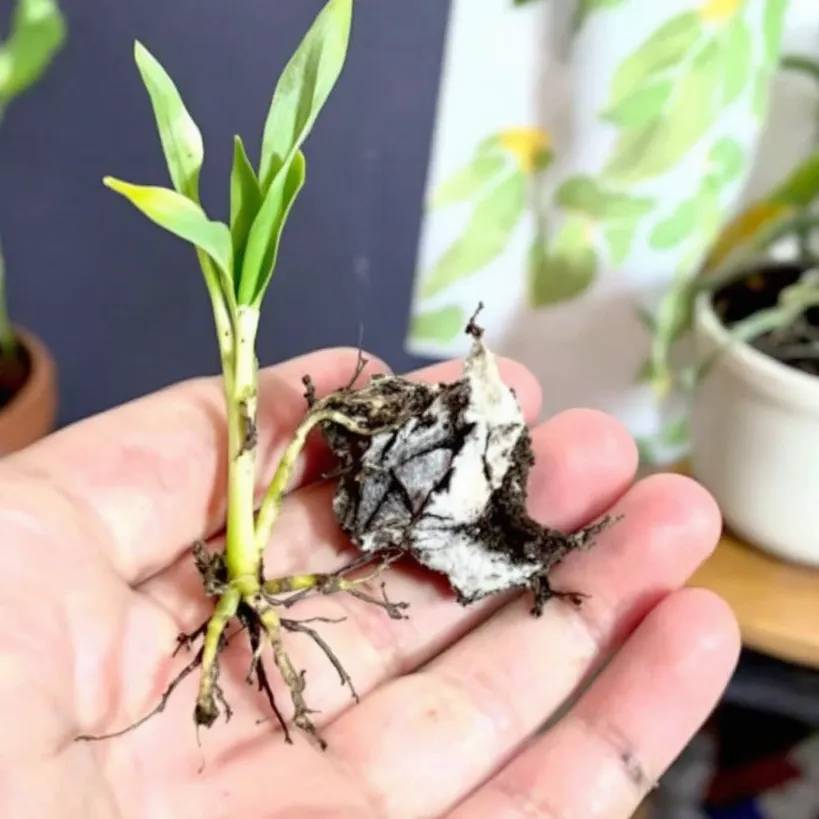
column 272, row 502
column 795, row 62
column 241, row 559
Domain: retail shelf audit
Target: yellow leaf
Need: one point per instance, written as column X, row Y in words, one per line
column 741, row 228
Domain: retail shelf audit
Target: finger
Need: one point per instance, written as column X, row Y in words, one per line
column 605, row 755
column 149, row 478
column 493, row 689
column 566, row 491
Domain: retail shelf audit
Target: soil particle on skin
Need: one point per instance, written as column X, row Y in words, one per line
column 13, row 374
column 796, row 346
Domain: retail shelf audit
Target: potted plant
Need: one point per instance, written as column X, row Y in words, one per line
column 28, row 384
column 753, row 384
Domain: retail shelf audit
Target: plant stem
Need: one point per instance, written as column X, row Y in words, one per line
column 241, row 558
column 272, row 502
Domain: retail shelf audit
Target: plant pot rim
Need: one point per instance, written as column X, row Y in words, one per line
column 39, row 381
column 767, row 374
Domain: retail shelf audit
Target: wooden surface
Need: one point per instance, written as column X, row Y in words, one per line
column 776, row 603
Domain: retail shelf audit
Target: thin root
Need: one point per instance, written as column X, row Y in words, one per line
column 166, row 695
column 183, row 641
column 300, row 625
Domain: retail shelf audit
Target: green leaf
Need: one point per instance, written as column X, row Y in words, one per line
column 728, row 159
column 675, row 432
column 441, row 325
column 643, row 153
column 179, row 134
column 586, row 195
column 676, row 228
column 585, row 8
column 265, row 233
column 303, row 88
column 467, row 182
column 736, row 45
column 245, row 200
column 759, row 98
column 665, row 48
column 772, row 24
column 179, row 215
column 565, row 270
column 641, row 107
column 37, row 33
column 619, row 237
column 487, row 234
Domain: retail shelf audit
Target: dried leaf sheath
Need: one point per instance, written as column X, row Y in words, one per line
column 445, row 481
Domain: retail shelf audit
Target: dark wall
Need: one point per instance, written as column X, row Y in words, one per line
column 120, row 302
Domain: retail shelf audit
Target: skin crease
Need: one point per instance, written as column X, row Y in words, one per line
column 96, row 580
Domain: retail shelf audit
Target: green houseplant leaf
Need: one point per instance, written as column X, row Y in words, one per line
column 303, row 88
column 728, row 159
column 179, row 215
column 486, row 235
column 441, row 325
column 564, row 270
column 772, row 25
column 620, row 237
column 586, row 195
column 643, row 153
column 37, row 34
column 642, row 106
column 677, row 227
column 665, row 48
column 179, row 134
column 245, row 200
column 736, row 45
column 265, row 233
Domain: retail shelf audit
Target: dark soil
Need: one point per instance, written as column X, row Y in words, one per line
column 796, row 346
column 14, row 373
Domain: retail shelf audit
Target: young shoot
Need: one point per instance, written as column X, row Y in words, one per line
column 238, row 260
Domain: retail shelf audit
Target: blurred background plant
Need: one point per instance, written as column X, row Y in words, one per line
column 780, row 225
column 36, row 34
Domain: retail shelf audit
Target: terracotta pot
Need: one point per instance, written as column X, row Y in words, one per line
column 31, row 414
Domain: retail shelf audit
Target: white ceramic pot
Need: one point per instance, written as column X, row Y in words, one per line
column 755, row 443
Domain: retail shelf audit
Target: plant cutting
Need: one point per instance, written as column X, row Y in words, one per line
column 434, row 472
column 27, row 381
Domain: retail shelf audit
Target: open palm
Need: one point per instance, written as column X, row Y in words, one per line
column 96, row 581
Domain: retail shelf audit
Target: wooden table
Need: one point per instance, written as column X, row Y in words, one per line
column 775, row 603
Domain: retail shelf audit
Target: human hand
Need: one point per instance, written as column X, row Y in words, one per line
column 96, row 582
